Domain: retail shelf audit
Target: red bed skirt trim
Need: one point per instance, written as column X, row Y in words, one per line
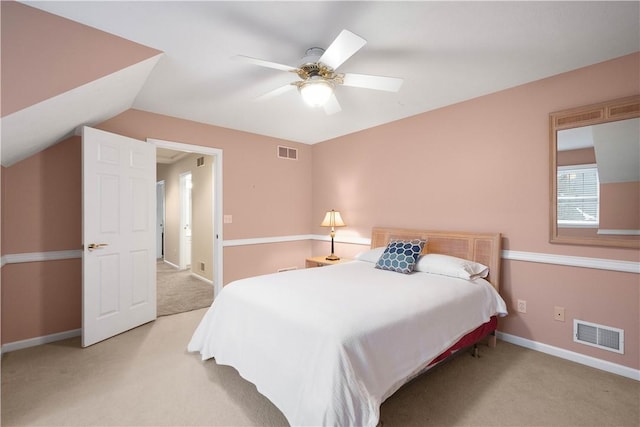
column 469, row 339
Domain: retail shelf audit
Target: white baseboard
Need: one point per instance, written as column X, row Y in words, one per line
column 194, row 275
column 177, row 267
column 603, row 365
column 32, row 342
column 204, row 279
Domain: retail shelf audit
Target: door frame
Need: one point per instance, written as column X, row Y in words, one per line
column 186, row 218
column 160, row 216
column 216, row 176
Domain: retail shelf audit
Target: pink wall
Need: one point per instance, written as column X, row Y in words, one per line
column 43, row 210
column 264, row 258
column 483, row 165
column 41, row 298
column 623, row 202
column 582, row 156
column 57, row 47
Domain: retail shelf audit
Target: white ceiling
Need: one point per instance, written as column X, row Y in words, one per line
column 446, row 52
column 167, row 156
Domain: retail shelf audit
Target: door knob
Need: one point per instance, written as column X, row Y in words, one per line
column 93, row 246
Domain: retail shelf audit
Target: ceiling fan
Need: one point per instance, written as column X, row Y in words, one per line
column 319, row 77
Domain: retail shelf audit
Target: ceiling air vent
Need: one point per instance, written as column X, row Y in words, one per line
column 287, row 153
column 604, row 337
column 200, row 162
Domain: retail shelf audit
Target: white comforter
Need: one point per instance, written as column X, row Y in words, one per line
column 328, row 345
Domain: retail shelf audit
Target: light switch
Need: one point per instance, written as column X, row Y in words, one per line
column 228, row 219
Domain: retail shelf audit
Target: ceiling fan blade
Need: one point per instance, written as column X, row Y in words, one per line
column 264, row 63
column 332, row 106
column 341, row 49
column 275, row 92
column 389, row 84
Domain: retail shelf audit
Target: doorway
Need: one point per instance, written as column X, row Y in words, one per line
column 210, row 260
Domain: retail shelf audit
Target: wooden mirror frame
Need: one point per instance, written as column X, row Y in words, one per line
column 604, row 112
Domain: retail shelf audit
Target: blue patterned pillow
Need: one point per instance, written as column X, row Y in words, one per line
column 401, row 255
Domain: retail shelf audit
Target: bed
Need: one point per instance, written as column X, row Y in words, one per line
column 328, row 345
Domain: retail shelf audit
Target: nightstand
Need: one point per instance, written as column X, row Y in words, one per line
column 321, row 261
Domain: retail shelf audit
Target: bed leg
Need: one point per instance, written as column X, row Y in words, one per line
column 492, row 340
column 476, row 352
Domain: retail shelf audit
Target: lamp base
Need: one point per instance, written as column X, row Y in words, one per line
column 332, row 257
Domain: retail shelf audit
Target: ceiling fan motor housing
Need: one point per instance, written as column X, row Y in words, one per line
column 312, row 68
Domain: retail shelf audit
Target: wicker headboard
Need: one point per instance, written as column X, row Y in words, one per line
column 484, row 248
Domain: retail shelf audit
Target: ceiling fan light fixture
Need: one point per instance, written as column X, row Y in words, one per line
column 316, row 91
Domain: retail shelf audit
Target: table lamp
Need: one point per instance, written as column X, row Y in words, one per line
column 332, row 219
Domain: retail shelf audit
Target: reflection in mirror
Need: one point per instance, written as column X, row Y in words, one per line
column 596, row 174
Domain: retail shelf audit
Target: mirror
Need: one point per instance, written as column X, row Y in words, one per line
column 595, row 174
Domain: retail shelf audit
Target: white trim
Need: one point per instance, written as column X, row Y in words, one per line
column 183, row 192
column 32, row 342
column 204, row 279
column 344, row 239
column 40, row 256
column 574, row 261
column 295, row 238
column 619, row 232
column 564, row 260
column 582, row 359
column 194, row 275
column 266, row 240
column 578, row 224
column 171, row 264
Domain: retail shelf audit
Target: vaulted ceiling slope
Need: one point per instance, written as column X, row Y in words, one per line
column 446, row 52
column 58, row 74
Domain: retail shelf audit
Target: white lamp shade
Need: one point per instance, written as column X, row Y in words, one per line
column 316, row 93
column 332, row 219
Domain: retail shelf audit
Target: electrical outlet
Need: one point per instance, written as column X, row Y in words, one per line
column 558, row 313
column 522, row 306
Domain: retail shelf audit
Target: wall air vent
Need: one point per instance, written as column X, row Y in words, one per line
column 604, row 337
column 287, row 153
column 200, row 162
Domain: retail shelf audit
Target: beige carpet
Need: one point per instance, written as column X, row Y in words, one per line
column 178, row 291
column 146, row 378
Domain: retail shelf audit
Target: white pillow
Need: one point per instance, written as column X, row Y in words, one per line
column 451, row 266
column 372, row 255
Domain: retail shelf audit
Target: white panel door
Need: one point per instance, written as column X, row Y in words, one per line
column 119, row 257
